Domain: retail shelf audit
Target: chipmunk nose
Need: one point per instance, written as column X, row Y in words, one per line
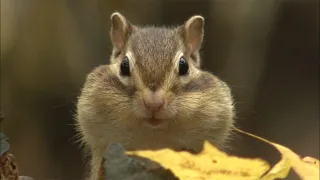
column 153, row 101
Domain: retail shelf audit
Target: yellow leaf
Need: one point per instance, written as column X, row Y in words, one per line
column 307, row 168
column 311, row 160
column 211, row 163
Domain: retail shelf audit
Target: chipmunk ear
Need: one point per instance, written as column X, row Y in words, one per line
column 120, row 30
column 192, row 32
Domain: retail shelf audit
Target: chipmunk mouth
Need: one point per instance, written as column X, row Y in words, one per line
column 154, row 121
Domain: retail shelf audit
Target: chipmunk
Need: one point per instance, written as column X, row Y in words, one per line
column 153, row 94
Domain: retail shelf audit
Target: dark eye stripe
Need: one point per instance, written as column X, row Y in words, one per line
column 193, row 57
column 117, row 53
column 119, row 86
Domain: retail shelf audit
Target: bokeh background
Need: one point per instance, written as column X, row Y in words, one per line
column 268, row 51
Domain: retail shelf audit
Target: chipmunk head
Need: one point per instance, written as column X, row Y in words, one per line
column 154, row 80
column 158, row 66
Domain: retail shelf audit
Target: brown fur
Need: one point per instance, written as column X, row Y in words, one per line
column 200, row 105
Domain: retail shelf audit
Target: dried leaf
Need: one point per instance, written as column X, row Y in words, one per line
column 211, row 163
column 8, row 168
column 307, row 168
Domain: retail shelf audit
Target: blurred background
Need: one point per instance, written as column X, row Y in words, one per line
column 268, row 52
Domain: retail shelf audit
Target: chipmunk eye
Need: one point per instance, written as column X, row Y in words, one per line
column 183, row 66
column 125, row 67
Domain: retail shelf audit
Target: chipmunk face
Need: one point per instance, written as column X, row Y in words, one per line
column 154, row 84
column 158, row 65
